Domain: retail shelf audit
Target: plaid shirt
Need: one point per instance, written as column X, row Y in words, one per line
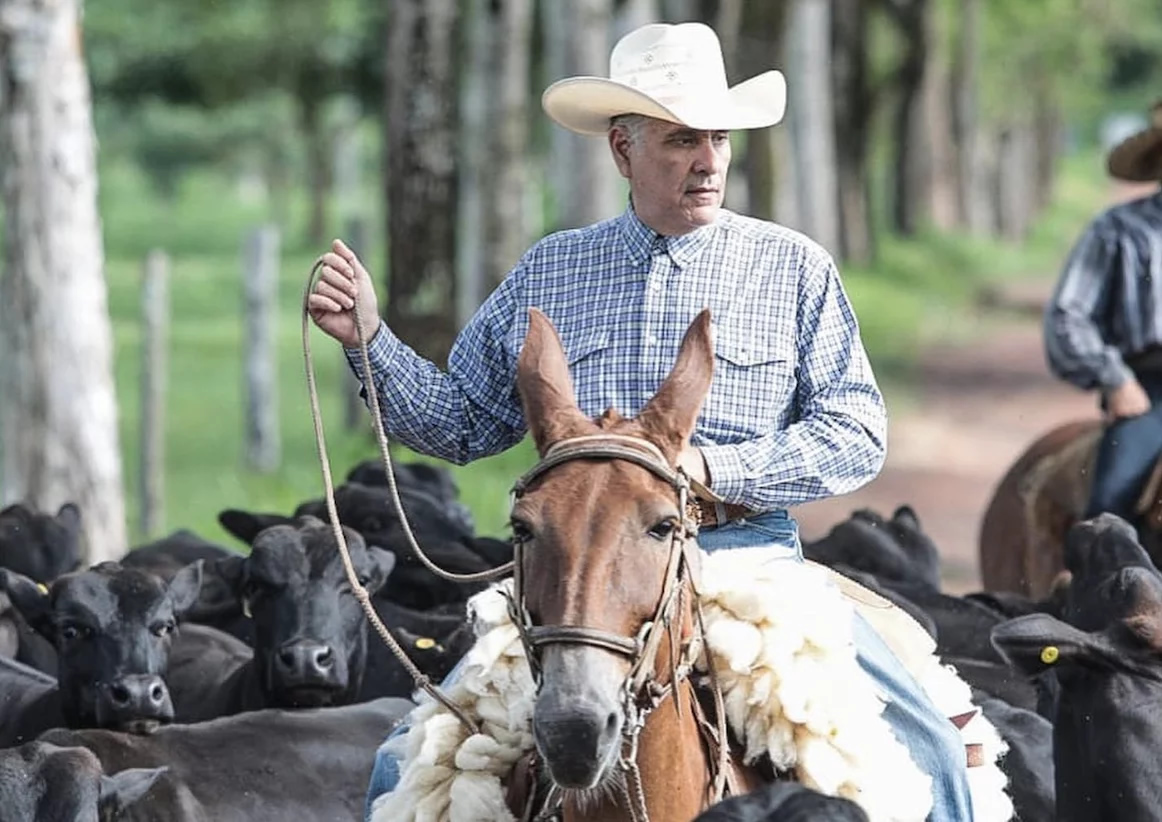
column 1108, row 303
column 793, row 414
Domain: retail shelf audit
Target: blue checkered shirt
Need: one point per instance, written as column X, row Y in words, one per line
column 793, row 413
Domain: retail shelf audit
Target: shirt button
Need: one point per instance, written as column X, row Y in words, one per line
column 656, row 286
column 651, row 340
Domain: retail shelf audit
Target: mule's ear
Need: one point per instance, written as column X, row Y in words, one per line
column 546, row 389
column 670, row 416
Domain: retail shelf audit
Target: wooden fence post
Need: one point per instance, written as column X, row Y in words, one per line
column 155, row 337
column 260, row 283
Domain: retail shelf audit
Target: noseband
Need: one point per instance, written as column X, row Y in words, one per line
column 641, row 692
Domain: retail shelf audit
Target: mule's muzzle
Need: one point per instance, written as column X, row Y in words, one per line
column 133, row 701
column 577, row 741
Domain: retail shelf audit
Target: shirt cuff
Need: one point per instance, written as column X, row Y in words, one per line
column 1115, row 375
column 728, row 474
column 381, row 351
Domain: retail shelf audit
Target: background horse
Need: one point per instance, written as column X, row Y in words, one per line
column 1036, row 503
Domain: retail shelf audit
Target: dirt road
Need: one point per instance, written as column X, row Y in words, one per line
column 976, row 406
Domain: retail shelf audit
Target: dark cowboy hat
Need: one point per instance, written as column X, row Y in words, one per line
column 1138, row 158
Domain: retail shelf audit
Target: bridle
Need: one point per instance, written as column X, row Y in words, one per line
column 641, row 692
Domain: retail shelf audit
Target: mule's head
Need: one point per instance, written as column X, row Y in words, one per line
column 596, row 538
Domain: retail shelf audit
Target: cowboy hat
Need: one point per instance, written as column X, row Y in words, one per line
column 669, row 72
column 1138, row 158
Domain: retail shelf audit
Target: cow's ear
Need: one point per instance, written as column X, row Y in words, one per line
column 31, row 600
column 185, row 587
column 246, row 526
column 381, row 563
column 121, row 790
column 233, row 571
column 1036, row 643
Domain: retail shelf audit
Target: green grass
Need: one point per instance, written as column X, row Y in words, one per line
column 916, row 292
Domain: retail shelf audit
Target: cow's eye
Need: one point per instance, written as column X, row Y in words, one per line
column 71, row 631
column 164, row 628
column 364, row 579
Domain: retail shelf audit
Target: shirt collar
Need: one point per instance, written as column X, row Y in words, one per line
column 639, row 240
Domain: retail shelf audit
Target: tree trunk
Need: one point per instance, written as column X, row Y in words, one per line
column 965, row 114
column 854, row 106
column 582, row 174
column 420, row 158
column 813, row 126
column 58, row 405
column 940, row 180
column 911, row 18
column 506, row 176
column 761, row 48
column 1016, row 180
column 1046, row 144
column 318, row 160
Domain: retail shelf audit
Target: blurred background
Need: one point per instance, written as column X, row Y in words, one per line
column 947, row 152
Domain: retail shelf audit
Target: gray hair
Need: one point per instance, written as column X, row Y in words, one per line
column 632, row 124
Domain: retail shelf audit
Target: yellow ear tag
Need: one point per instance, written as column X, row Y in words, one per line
column 40, row 586
column 424, row 643
column 1049, row 654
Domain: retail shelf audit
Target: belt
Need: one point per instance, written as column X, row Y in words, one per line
column 706, row 513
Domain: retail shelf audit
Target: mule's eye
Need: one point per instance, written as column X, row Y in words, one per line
column 521, row 531
column 663, row 529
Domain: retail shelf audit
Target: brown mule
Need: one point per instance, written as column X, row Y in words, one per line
column 1042, row 495
column 605, row 579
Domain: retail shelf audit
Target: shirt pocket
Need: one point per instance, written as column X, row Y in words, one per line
column 754, row 382
column 588, row 354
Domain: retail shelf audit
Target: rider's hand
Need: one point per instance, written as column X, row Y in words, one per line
column 332, row 298
column 1127, row 400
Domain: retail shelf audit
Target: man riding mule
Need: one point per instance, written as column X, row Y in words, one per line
column 793, row 412
column 1102, row 333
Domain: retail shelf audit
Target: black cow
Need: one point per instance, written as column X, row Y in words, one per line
column 40, row 546
column 1107, row 728
column 435, row 480
column 112, row 628
column 892, row 550
column 434, row 641
column 263, row 766
column 784, row 802
column 367, row 509
column 310, row 631
column 40, row 782
column 217, row 605
column 1029, row 761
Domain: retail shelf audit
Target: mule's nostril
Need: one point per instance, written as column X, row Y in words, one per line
column 611, row 722
column 119, row 694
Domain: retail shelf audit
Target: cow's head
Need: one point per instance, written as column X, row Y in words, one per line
column 40, row 546
column 1107, row 729
column 40, row 782
column 112, row 628
column 310, row 631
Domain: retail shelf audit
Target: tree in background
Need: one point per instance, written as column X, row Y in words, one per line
column 58, row 410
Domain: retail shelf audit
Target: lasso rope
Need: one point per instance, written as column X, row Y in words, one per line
column 419, row 677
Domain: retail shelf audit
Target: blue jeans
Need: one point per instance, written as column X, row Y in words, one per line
column 1126, row 455
column 932, row 739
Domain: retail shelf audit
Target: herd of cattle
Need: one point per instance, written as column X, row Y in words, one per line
column 194, row 682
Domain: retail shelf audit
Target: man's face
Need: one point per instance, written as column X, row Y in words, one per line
column 677, row 175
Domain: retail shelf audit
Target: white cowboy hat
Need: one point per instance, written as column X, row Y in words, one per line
column 673, row 73
column 1138, row 158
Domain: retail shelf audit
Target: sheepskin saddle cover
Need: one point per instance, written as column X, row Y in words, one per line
column 779, row 636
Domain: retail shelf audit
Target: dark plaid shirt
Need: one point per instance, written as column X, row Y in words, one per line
column 1106, row 306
